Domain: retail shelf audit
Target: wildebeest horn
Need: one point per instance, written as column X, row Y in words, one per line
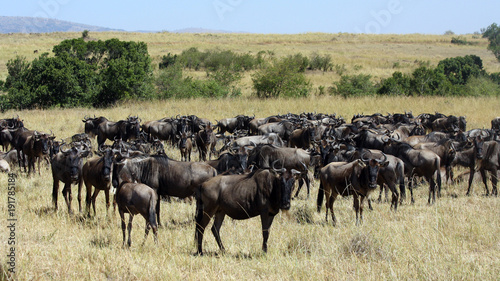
column 274, row 168
column 382, row 160
column 61, row 148
column 363, row 156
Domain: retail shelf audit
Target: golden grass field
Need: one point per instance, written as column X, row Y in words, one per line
column 457, row 238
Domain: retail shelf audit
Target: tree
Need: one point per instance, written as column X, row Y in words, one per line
column 492, row 32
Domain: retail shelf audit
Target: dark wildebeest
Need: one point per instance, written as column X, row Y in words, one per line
column 163, row 129
column 230, row 125
column 495, row 125
column 445, row 150
column 302, row 138
column 96, row 172
column 92, row 124
column 370, row 139
column 260, row 193
column 67, row 167
column 262, row 156
column 357, row 178
column 166, row 176
column 423, row 163
column 123, row 129
column 35, row 148
column 233, row 161
column 205, row 142
column 283, row 128
column 487, row 154
column 5, row 139
column 185, row 146
column 135, row 198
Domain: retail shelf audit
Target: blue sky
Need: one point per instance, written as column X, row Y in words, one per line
column 271, row 16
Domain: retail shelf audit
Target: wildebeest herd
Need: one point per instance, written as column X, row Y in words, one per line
column 256, row 162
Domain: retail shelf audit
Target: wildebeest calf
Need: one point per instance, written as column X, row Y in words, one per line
column 136, row 198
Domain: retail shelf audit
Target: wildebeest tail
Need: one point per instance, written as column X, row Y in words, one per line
column 402, row 188
column 199, row 211
column 152, row 210
column 321, row 194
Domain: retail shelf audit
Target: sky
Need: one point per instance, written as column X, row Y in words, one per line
column 270, row 16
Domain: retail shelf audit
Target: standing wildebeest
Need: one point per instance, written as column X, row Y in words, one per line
column 233, row 161
column 357, row 178
column 487, row 154
column 205, row 142
column 97, row 172
column 423, row 163
column 123, row 129
column 230, row 125
column 36, row 147
column 67, row 167
column 283, row 128
column 260, row 193
column 92, row 124
column 445, row 150
column 495, row 125
column 302, row 138
column 262, row 156
column 166, row 176
column 185, row 146
column 135, row 198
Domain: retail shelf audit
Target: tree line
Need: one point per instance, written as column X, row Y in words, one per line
column 86, row 73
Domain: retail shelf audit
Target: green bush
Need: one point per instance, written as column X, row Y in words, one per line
column 481, row 86
column 397, row 85
column 282, row 78
column 353, row 86
column 319, row 62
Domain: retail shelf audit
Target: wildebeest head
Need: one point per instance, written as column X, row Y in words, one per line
column 107, row 159
column 42, row 140
column 372, row 167
column 478, row 146
column 285, row 180
column 74, row 161
column 133, row 127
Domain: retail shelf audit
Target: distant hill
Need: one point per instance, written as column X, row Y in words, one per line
column 203, row 30
column 44, row 25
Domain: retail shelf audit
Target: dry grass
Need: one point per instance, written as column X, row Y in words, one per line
column 456, row 238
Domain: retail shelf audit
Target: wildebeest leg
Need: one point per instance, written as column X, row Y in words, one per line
column 357, row 208
column 202, row 220
column 219, row 218
column 122, row 217
column 158, row 210
column 432, row 190
column 485, row 181
column 266, row 221
column 494, row 180
column 301, row 182
column 94, row 197
column 471, row 177
column 80, row 183
column 395, row 196
column 88, row 198
column 106, row 194
column 67, row 196
column 410, row 187
column 131, row 217
column 329, row 206
column 55, row 192
column 146, row 231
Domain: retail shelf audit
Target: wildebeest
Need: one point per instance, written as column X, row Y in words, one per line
column 123, row 129
column 166, row 176
column 357, row 178
column 4, row 166
column 487, row 154
column 423, row 163
column 262, row 156
column 67, row 167
column 230, row 125
column 136, row 198
column 233, row 161
column 205, row 142
column 445, row 150
column 302, row 138
column 260, row 193
column 36, row 147
column 185, row 146
column 283, row 128
column 271, row 138
column 92, row 124
column 96, row 172
column 495, row 124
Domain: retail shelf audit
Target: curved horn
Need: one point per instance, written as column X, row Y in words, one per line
column 363, row 156
column 61, row 148
column 273, row 166
column 382, row 160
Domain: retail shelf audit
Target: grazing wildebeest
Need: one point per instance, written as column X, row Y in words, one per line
column 205, row 142
column 92, row 124
column 185, row 146
column 260, row 193
column 166, row 176
column 487, row 155
column 271, row 138
column 123, row 129
column 230, row 125
column 283, row 128
column 96, row 172
column 423, row 163
column 67, row 167
column 136, row 198
column 357, row 178
column 163, row 129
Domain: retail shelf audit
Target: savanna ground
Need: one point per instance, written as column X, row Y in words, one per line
column 456, row 238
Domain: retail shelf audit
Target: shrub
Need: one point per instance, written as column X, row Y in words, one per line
column 397, row 85
column 353, row 86
column 323, row 63
column 283, row 77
